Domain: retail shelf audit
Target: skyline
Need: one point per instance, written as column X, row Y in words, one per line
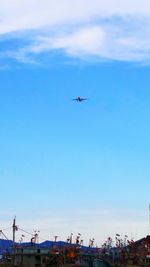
column 66, row 166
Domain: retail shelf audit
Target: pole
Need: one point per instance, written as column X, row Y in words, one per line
column 14, row 249
column 148, row 219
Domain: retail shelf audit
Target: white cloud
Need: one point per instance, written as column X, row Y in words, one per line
column 108, row 30
column 86, row 40
column 31, row 14
column 103, row 41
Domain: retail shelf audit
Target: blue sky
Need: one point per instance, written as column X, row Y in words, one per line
column 65, row 166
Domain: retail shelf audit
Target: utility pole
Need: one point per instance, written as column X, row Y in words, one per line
column 14, row 227
column 149, row 217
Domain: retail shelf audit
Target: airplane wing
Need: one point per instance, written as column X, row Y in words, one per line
column 79, row 99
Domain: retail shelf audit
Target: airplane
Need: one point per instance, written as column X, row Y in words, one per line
column 79, row 99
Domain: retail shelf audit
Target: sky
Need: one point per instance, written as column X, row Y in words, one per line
column 68, row 167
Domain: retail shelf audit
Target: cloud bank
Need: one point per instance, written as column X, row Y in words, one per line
column 82, row 29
